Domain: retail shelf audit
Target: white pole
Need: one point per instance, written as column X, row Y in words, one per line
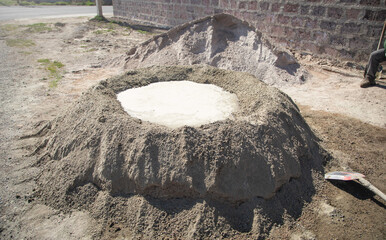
column 372, row 188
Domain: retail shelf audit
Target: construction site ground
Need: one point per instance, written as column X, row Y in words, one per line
column 46, row 64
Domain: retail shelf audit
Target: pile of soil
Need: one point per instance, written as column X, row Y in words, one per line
column 221, row 41
column 96, row 154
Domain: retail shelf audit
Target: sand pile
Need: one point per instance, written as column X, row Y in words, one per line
column 95, row 154
column 221, row 41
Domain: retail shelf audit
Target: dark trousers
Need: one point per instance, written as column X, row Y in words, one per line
column 375, row 59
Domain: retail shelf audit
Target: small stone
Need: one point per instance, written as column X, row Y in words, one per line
column 102, row 119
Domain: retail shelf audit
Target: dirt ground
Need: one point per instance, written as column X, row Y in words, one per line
column 349, row 121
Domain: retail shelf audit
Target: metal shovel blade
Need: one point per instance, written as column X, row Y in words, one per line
column 345, row 176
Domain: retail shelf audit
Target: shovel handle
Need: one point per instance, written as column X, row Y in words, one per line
column 382, row 34
column 372, row 188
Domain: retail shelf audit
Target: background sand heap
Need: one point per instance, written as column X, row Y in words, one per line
column 96, row 143
column 221, row 41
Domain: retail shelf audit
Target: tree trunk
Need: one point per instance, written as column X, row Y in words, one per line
column 99, row 8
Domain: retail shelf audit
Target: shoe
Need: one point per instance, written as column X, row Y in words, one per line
column 367, row 82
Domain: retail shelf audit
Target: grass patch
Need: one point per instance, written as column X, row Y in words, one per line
column 8, row 2
column 44, row 61
column 99, row 19
column 55, row 3
column 143, row 32
column 53, row 83
column 88, row 3
column 55, row 70
column 38, row 28
column 98, row 32
column 112, row 25
column 91, row 50
column 19, row 43
column 9, row 27
column 25, row 3
column 26, row 53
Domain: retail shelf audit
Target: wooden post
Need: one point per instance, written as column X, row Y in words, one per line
column 99, row 8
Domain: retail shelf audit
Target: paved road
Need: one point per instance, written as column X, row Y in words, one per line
column 18, row 12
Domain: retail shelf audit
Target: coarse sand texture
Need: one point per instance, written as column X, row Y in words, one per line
column 221, row 41
column 249, row 170
column 264, row 145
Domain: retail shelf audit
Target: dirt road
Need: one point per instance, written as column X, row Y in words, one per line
column 28, row 12
column 34, row 87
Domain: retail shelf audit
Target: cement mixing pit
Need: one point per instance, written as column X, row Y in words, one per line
column 261, row 160
column 178, row 103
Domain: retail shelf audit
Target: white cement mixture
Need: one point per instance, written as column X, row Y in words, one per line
column 179, row 103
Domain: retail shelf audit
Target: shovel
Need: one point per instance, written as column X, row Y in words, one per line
column 348, row 176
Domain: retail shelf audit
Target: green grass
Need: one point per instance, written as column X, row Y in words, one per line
column 20, row 43
column 8, row 2
column 103, row 22
column 102, row 31
column 143, row 32
column 91, row 50
column 38, row 28
column 112, row 25
column 55, row 3
column 55, row 70
column 99, row 19
column 53, row 83
column 9, row 27
column 88, row 3
column 26, row 3
column 45, row 61
column 98, row 32
column 58, row 64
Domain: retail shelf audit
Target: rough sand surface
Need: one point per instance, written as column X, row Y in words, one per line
column 335, row 90
column 337, row 210
column 221, row 41
column 95, row 148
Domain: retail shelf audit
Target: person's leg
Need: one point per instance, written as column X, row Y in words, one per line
column 375, row 59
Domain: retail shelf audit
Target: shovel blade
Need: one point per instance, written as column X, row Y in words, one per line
column 345, row 176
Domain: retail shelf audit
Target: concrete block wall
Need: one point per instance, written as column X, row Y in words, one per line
column 343, row 29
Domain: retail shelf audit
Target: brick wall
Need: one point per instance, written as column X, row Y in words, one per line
column 345, row 29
